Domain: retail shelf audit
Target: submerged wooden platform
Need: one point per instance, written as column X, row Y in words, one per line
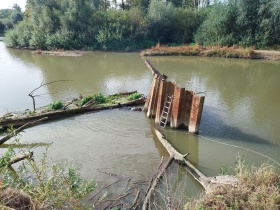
column 71, row 108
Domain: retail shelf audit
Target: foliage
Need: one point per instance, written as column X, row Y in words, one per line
column 98, row 99
column 138, row 24
column 42, row 184
column 10, row 17
column 84, row 100
column 134, row 96
column 258, row 188
column 56, row 105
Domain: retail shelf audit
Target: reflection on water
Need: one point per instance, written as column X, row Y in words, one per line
column 241, row 109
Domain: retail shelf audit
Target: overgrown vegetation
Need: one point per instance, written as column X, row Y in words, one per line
column 38, row 185
column 56, row 105
column 134, row 96
column 258, row 188
column 96, row 99
column 138, row 24
column 207, row 51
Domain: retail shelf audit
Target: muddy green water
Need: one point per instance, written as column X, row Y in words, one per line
column 241, row 115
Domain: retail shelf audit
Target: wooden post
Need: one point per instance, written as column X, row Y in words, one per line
column 195, row 114
column 161, row 98
column 176, row 107
column 151, row 111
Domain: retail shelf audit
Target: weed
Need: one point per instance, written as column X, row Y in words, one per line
column 258, row 188
column 55, row 105
column 134, row 96
column 40, row 185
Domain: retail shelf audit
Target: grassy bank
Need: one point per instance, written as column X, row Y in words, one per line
column 258, row 188
column 212, row 51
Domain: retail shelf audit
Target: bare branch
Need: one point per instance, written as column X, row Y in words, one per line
column 15, row 132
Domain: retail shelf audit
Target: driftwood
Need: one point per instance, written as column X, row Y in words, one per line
column 200, row 177
column 42, row 84
column 155, row 182
column 15, row 132
column 155, row 71
column 20, row 158
column 206, row 182
column 51, row 115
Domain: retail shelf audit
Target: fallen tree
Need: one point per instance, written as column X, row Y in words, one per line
column 208, row 183
column 72, row 108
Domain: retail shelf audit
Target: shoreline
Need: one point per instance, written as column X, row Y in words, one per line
column 213, row 51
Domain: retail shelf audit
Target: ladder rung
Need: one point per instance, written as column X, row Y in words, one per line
column 165, row 112
column 163, row 117
column 168, row 102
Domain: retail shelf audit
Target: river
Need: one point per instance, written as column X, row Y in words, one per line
column 241, row 114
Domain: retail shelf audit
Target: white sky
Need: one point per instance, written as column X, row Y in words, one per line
column 8, row 4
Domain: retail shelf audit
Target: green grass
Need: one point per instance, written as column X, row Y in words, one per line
column 41, row 184
column 134, row 96
column 55, row 105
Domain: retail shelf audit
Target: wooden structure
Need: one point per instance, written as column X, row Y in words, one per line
column 186, row 108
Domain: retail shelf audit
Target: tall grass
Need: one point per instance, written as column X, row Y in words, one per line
column 258, row 188
column 35, row 184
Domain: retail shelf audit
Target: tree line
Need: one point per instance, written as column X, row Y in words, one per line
column 137, row 24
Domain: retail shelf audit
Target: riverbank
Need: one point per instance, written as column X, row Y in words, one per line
column 212, row 51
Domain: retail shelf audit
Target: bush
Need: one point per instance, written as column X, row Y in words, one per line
column 100, row 98
column 37, row 185
column 258, row 188
column 84, row 100
column 134, row 96
column 56, row 105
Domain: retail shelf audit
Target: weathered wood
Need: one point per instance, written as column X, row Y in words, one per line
column 52, row 115
column 160, row 101
column 199, row 176
column 176, row 107
column 195, row 114
column 151, row 112
column 15, row 132
column 155, row 182
column 20, row 157
column 155, row 71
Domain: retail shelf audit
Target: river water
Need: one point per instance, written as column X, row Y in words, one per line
column 241, row 114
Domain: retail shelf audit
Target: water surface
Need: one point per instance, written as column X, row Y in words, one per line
column 241, row 115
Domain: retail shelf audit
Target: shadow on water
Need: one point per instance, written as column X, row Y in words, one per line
column 214, row 127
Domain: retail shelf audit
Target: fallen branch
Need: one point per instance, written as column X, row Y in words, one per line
column 107, row 187
column 155, row 71
column 155, row 182
column 135, row 199
column 15, row 132
column 200, row 177
column 20, row 158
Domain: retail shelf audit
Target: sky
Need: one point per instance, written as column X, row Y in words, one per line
column 8, row 4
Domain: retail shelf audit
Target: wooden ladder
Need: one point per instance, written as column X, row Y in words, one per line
column 165, row 111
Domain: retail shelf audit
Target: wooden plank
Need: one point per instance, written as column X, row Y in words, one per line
column 176, row 107
column 151, row 112
column 160, row 101
column 196, row 113
column 149, row 95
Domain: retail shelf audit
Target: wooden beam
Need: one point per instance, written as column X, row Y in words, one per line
column 196, row 113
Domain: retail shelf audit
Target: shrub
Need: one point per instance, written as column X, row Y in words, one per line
column 100, row 98
column 84, row 100
column 134, row 96
column 56, row 105
column 258, row 188
column 37, row 185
